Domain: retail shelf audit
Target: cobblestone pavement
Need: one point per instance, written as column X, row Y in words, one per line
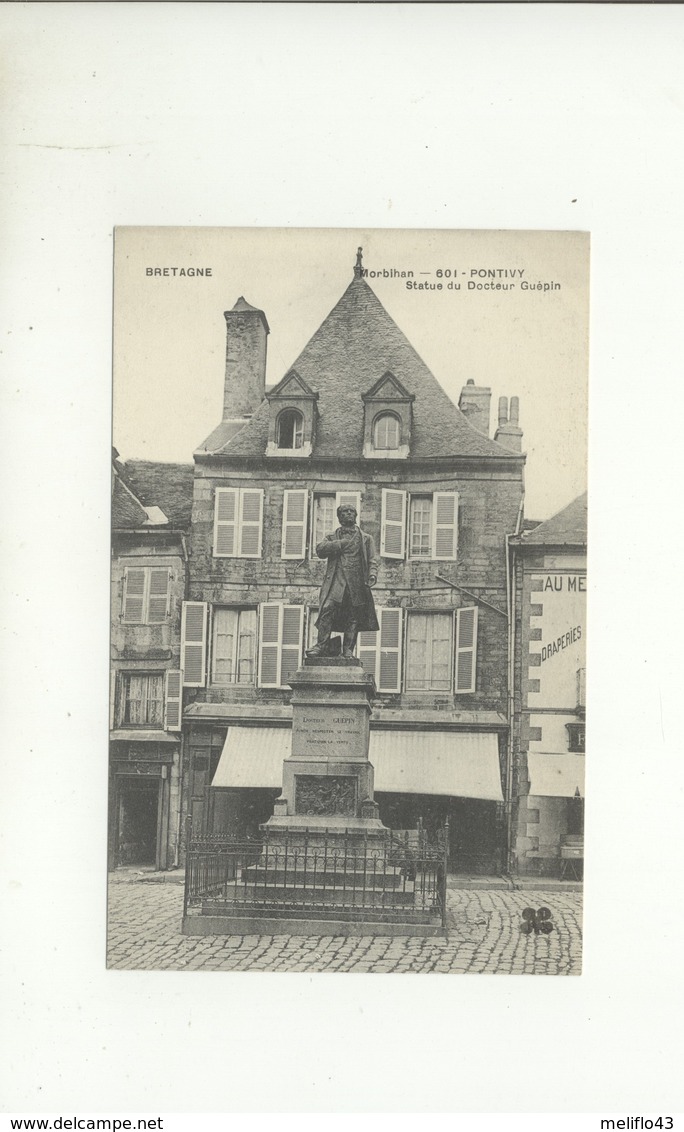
column 484, row 937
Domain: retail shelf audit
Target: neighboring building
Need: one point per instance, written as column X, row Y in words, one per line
column 550, row 570
column 151, row 505
column 358, row 417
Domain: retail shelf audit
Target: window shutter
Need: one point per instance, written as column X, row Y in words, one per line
column 134, row 594
column 225, row 521
column 158, row 600
column 393, row 526
column 251, row 511
column 349, row 499
column 367, row 649
column 194, row 643
column 389, row 666
column 380, row 652
column 269, row 645
column 466, row 648
column 291, row 639
column 172, row 700
column 445, row 524
column 295, row 506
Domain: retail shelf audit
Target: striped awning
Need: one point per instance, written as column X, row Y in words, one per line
column 253, row 756
column 556, row 775
column 457, row 764
column 450, row 763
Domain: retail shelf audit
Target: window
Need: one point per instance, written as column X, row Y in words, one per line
column 429, row 652
column 290, row 429
column 234, row 646
column 145, row 595
column 420, row 526
column 238, row 514
column 142, row 699
column 433, row 525
column 386, row 431
column 325, row 519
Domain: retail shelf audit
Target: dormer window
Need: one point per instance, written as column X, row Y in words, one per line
column 293, row 415
column 388, row 411
column 386, row 432
column 290, row 429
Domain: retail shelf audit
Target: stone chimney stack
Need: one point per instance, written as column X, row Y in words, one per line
column 509, row 434
column 474, row 404
column 246, row 338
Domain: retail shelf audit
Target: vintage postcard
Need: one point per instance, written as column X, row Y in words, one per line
column 349, row 548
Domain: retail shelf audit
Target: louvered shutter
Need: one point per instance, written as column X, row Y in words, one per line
column 194, row 643
column 444, row 525
column 295, row 506
column 367, row 649
column 158, row 599
column 269, row 645
column 251, row 511
column 226, row 504
column 291, row 641
column 172, row 700
column 380, row 652
column 466, row 648
column 389, row 661
column 347, row 499
column 134, row 594
column 393, row 525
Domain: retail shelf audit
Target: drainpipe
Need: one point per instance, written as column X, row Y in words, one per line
column 511, row 608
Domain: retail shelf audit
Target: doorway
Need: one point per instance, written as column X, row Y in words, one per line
column 138, row 821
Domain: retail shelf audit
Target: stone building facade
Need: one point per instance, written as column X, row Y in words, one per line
column 550, row 575
column 358, row 417
column 151, row 516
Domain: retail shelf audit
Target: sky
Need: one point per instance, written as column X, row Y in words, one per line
column 169, row 330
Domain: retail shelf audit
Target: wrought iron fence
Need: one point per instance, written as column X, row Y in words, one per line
column 400, row 876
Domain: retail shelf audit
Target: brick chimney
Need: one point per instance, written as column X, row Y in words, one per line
column 246, row 337
column 474, row 404
column 509, row 434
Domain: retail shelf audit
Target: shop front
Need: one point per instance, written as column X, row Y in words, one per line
column 550, row 840
column 143, row 802
column 425, row 777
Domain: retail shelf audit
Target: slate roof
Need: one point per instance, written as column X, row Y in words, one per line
column 355, row 345
column 167, row 486
column 567, row 528
column 127, row 511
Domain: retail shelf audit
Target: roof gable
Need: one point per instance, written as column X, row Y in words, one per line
column 352, row 351
column 292, row 385
column 388, row 388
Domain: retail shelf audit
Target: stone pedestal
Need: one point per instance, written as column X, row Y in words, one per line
column 326, row 865
column 327, row 778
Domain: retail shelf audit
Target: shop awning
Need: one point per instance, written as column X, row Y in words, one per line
column 253, row 756
column 556, row 776
column 458, row 764
column 135, row 736
column 451, row 763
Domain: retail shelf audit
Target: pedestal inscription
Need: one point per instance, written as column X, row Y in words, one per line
column 332, row 794
column 328, row 731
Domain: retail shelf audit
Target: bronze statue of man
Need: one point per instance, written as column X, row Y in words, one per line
column 346, row 603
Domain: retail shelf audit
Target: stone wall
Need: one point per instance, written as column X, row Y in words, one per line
column 488, row 509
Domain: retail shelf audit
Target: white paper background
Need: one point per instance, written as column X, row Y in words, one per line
column 492, row 116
